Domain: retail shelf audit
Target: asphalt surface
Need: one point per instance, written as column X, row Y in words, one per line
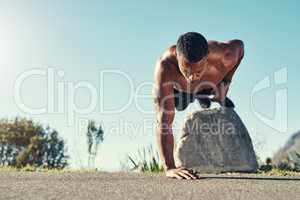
column 100, row 185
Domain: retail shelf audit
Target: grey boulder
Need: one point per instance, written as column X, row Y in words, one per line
column 215, row 141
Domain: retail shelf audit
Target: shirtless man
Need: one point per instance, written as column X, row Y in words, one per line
column 191, row 70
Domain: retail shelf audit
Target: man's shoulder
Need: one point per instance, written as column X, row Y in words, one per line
column 169, row 54
column 227, row 53
column 167, row 61
column 216, row 49
column 166, row 68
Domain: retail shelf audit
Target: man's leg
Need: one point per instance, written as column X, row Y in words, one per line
column 206, row 102
column 202, row 98
column 182, row 99
column 229, row 103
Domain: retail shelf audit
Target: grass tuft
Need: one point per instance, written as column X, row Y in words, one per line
column 146, row 160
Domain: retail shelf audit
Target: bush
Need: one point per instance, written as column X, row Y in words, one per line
column 23, row 142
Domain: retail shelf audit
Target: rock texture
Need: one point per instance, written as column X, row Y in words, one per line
column 214, row 141
column 287, row 155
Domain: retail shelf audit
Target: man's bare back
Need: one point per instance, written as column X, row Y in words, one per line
column 186, row 68
column 221, row 61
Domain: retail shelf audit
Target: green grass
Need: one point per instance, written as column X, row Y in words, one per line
column 146, row 160
column 145, row 167
column 279, row 172
column 29, row 168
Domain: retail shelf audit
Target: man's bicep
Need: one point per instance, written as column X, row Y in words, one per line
column 233, row 57
column 164, row 103
column 164, row 97
column 166, row 110
column 236, row 46
column 230, row 74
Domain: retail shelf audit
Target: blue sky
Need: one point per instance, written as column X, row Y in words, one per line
column 82, row 39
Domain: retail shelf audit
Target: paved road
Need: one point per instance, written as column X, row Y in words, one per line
column 92, row 185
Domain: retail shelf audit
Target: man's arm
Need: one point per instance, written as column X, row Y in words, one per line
column 165, row 111
column 233, row 55
column 165, row 108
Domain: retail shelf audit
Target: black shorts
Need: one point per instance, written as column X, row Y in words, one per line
column 183, row 99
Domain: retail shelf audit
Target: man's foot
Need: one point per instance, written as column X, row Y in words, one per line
column 204, row 103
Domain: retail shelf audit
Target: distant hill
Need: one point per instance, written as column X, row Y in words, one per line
column 287, row 154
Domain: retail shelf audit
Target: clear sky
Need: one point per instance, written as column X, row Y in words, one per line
column 77, row 40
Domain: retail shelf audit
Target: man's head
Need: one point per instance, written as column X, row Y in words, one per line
column 192, row 51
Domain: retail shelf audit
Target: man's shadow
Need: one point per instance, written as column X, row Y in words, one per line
column 252, row 178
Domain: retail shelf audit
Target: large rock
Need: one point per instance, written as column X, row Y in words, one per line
column 214, row 141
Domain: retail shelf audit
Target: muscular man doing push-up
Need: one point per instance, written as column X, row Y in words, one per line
column 193, row 69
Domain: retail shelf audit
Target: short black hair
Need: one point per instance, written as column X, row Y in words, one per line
column 193, row 46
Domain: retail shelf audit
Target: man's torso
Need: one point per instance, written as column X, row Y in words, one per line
column 214, row 74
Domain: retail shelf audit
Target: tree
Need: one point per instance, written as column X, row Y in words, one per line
column 94, row 138
column 24, row 142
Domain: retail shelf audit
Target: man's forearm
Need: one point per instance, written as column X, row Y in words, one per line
column 221, row 93
column 165, row 141
column 225, row 84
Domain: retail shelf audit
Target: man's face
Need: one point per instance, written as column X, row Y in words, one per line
column 192, row 71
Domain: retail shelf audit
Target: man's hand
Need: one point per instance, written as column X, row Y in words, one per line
column 222, row 92
column 181, row 173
